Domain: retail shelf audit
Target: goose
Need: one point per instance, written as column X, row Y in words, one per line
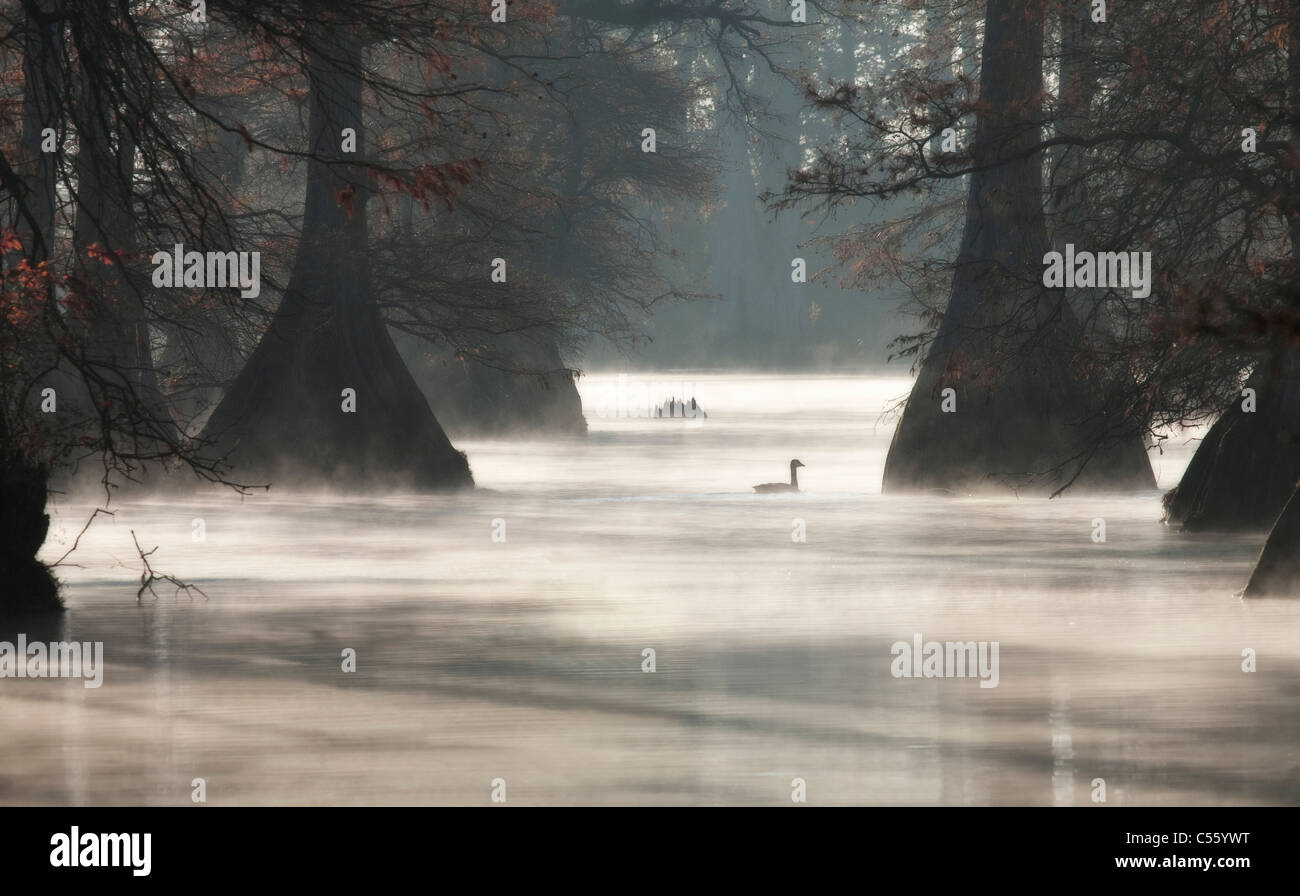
column 768, row 488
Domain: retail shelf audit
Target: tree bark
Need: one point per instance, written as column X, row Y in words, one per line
column 117, row 376
column 42, row 108
column 201, row 357
column 1277, row 572
column 1248, row 463
column 284, row 417
column 473, row 400
column 118, row 330
column 1025, row 416
column 26, row 585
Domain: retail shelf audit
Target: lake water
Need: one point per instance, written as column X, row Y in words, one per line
column 480, row 659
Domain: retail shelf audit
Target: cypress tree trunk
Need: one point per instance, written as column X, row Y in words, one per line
column 472, row 399
column 1277, row 436
column 1025, row 416
column 284, row 417
column 201, row 357
column 1247, row 466
column 26, row 585
column 42, row 108
column 118, row 342
column 1277, row 572
column 1248, row 463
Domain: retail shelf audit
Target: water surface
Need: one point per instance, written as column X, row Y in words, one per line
column 522, row 660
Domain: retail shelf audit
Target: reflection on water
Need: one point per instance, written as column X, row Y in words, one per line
column 1062, row 748
column 480, row 659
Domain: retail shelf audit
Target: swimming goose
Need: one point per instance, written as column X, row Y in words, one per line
column 768, row 488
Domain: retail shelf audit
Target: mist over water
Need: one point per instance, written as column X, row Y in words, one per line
column 522, row 660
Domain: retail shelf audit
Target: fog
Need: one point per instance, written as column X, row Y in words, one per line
column 652, row 402
column 522, row 659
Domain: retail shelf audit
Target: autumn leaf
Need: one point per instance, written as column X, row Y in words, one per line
column 346, row 197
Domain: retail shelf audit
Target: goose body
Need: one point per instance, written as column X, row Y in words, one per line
column 769, row 488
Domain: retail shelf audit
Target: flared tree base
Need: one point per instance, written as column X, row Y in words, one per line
column 1031, row 432
column 336, row 408
column 1247, row 465
column 1277, row 572
column 26, row 584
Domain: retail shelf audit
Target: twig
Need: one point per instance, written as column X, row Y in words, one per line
column 77, row 540
column 148, row 576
